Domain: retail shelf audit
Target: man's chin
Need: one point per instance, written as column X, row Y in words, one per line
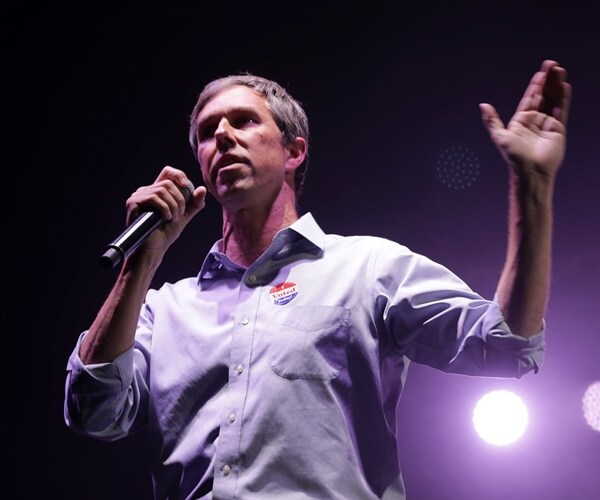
column 233, row 188
column 231, row 191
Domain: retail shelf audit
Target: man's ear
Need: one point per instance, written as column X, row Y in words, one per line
column 296, row 154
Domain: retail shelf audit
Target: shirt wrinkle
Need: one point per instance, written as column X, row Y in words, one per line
column 313, row 342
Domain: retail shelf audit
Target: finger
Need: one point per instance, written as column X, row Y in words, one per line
column 490, row 117
column 196, row 204
column 198, row 200
column 547, row 91
column 164, row 196
column 543, row 83
column 553, row 90
column 174, row 174
column 548, row 64
column 531, row 95
column 562, row 112
column 169, row 172
column 556, row 95
column 176, row 183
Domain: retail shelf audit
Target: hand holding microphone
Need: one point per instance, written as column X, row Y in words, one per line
column 144, row 224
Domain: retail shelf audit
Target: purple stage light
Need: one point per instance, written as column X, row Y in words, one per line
column 458, row 168
column 500, row 417
column 591, row 406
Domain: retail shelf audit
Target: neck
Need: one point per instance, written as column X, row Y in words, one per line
column 248, row 232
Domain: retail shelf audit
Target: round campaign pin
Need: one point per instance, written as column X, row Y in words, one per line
column 283, row 293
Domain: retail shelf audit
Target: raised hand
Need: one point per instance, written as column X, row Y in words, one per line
column 534, row 140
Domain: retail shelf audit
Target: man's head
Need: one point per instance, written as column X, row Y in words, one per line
column 287, row 113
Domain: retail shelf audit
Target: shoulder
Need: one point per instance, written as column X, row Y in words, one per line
column 171, row 289
column 382, row 256
column 366, row 244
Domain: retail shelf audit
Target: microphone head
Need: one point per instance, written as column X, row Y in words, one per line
column 111, row 257
column 187, row 191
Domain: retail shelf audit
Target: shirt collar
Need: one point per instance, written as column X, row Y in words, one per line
column 304, row 229
column 307, row 227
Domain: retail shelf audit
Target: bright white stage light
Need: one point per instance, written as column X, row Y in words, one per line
column 591, row 406
column 500, row 417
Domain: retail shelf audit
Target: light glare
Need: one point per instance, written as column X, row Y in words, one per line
column 500, row 417
column 591, row 406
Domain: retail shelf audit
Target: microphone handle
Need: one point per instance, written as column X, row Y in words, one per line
column 130, row 239
column 136, row 233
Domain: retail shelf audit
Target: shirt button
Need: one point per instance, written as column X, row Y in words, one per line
column 226, row 470
column 252, row 278
column 239, row 369
column 231, row 418
column 245, row 321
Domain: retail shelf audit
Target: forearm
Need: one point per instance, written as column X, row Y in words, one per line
column 113, row 330
column 524, row 285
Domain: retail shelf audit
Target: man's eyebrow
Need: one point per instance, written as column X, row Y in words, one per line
column 234, row 110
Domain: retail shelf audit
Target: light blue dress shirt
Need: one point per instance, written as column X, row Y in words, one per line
column 282, row 380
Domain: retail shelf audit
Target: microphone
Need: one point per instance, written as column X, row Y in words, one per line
column 136, row 233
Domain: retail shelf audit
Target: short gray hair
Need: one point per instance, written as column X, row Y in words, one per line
column 287, row 112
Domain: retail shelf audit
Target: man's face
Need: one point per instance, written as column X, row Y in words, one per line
column 242, row 158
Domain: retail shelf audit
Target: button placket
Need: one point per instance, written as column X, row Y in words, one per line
column 239, row 355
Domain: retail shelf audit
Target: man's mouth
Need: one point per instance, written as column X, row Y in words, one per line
column 227, row 168
column 227, row 160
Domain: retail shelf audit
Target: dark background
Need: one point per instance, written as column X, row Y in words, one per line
column 96, row 100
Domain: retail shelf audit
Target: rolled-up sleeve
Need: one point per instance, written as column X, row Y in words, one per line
column 434, row 318
column 104, row 400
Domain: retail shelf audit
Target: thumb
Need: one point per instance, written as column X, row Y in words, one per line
column 194, row 205
column 490, row 118
column 198, row 201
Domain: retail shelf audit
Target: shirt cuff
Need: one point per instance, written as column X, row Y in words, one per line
column 498, row 335
column 100, row 378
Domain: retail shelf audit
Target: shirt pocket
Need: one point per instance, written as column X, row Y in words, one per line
column 309, row 342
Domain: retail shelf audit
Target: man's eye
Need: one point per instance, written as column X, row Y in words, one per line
column 205, row 133
column 242, row 121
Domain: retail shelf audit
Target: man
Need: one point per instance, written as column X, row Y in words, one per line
column 276, row 372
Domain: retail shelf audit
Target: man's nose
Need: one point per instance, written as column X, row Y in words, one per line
column 224, row 136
